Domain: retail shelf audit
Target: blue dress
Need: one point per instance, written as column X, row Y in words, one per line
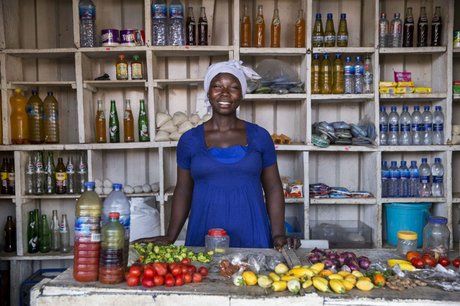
column 228, row 195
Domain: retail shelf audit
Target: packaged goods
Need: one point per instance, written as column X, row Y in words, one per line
column 387, row 90
column 405, row 84
column 128, row 37
column 387, row 84
column 422, row 90
column 110, row 37
column 404, row 90
column 402, row 76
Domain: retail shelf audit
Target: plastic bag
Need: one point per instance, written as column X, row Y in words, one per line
column 276, row 72
column 145, row 219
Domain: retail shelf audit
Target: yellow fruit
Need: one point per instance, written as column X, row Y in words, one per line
column 347, row 284
column 393, row 262
column 364, row 278
column 357, row 273
column 325, row 273
column 281, row 268
column 307, row 284
column 364, row 285
column 279, row 286
column 250, row 278
column 274, row 277
column 321, row 284
column 351, row 279
column 335, row 276
column 287, row 278
column 317, row 267
column 344, row 273
column 406, row 267
column 264, row 281
column 337, row 286
column 300, row 272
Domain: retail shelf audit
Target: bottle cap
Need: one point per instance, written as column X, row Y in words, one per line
column 403, row 163
column 426, row 108
column 438, row 108
column 90, row 185
column 383, row 108
column 114, row 215
column 343, row 16
column 407, row 235
column 136, row 57
column 437, row 220
column 437, row 160
column 424, row 160
column 405, row 108
column 117, row 186
column 217, row 232
column 416, row 108
column 318, row 16
column 329, row 15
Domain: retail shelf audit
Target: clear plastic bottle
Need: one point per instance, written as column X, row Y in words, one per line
column 71, row 176
column 51, row 118
column 414, row 180
column 383, row 126
column 422, row 28
column 425, row 173
column 342, row 32
column 87, row 243
column 437, row 172
column 329, row 32
column 18, row 118
column 64, row 235
column 436, row 28
column 393, row 127
column 111, row 267
column 359, row 76
column 408, row 33
column 159, row 22
column 385, row 173
column 30, row 177
column 349, row 76
column 317, row 39
column 82, row 174
column 176, row 33
column 405, row 123
column 395, row 180
column 417, row 126
column 39, row 177
column 87, row 12
column 337, row 75
column 383, row 30
column 427, row 129
column 190, row 28
column 54, row 226
column 275, row 30
column 405, row 177
column 438, row 126
column 395, row 32
column 325, row 78
column 35, row 118
column 245, row 28
column 259, row 28
column 315, row 74
column 436, row 236
column 368, row 78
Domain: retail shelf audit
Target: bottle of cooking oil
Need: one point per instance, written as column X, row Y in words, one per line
column 342, row 33
column 315, row 71
column 35, row 118
column 325, row 76
column 299, row 34
column 329, row 32
column 337, row 75
column 51, row 118
column 317, row 39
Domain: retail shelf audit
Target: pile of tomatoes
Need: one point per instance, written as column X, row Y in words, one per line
column 424, row 260
column 167, row 274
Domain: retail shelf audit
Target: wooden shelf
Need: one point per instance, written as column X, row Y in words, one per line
column 186, row 51
column 55, row 53
column 433, row 148
column 162, row 83
column 112, row 52
column 340, row 148
column 347, row 201
column 273, row 51
column 275, row 97
column 414, row 200
column 345, row 50
column 15, row 84
column 410, row 51
column 413, row 96
column 95, row 85
column 342, row 98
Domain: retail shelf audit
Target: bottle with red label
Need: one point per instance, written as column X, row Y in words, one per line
column 61, row 177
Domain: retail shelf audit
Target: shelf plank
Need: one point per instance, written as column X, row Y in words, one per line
column 112, row 52
column 161, row 83
column 291, row 147
column 356, row 50
column 413, row 96
column 434, row 148
column 457, row 97
column 14, row 84
column 114, row 146
column 54, row 53
column 348, row 201
column 414, row 200
column 38, row 256
column 339, row 148
column 51, row 196
column 294, row 200
column 275, row 97
column 136, row 195
column 93, row 85
column 7, row 197
column 172, row 51
column 273, row 51
column 410, row 51
column 342, row 98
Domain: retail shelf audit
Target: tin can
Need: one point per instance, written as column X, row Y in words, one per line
column 128, row 37
column 456, row 39
column 110, row 37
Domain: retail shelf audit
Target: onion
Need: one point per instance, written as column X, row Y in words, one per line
column 364, row 262
column 313, row 258
column 332, row 256
column 353, row 266
column 345, row 268
column 317, row 251
column 336, row 263
column 341, row 259
column 328, row 264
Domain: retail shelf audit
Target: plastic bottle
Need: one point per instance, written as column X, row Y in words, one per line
column 190, row 28
column 349, row 76
column 111, row 266
column 11, row 178
column 10, row 235
column 383, row 126
column 425, row 173
column 329, row 32
column 325, row 77
column 4, row 176
column 101, row 124
column 385, row 173
column 64, row 235
column 417, row 126
column 395, row 38
column 18, row 118
column 299, row 32
column 35, row 118
column 315, row 74
column 368, row 77
column 136, row 68
column 436, row 237
column 203, row 28
column 317, row 39
column 39, row 177
column 395, row 180
column 342, row 32
column 405, row 177
column 71, row 176
column 337, row 75
column 61, row 177
column 87, row 12
column 414, row 180
column 51, row 118
column 408, row 33
column 32, row 232
column 54, row 228
column 44, row 235
column 50, row 175
column 143, row 123
column 436, row 28
column 405, row 123
column 427, row 130
column 128, row 122
column 383, row 30
column 114, row 124
column 275, row 30
column 87, row 235
column 437, row 172
column 422, row 28
column 245, row 28
column 393, row 127
column 259, row 31
column 82, row 175
column 116, row 201
column 29, row 177
column 359, row 76
column 176, row 24
column 159, row 21
column 122, row 68
column 438, row 126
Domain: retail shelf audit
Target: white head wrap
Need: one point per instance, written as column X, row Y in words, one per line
column 233, row 67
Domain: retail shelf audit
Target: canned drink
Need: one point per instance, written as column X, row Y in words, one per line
column 128, row 37
column 110, row 37
column 456, row 39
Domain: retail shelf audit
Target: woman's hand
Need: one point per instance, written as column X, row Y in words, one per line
column 280, row 241
column 160, row 240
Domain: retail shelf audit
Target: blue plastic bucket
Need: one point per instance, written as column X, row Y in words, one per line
column 408, row 217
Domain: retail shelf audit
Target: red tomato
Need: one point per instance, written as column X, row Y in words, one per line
column 428, row 260
column 203, row 271
column 418, row 263
column 444, row 261
column 147, row 282
column 135, row 271
column 186, row 261
column 170, row 281
column 158, row 280
column 160, row 268
column 176, row 271
column 184, row 269
column 197, row 277
column 188, row 278
column 456, row 262
column 191, row 269
column 132, row 281
column 172, row 265
column 412, row 254
column 179, row 280
column 149, row 272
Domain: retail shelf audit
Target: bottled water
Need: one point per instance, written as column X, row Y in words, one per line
column 383, row 126
column 395, row 32
column 437, row 171
column 159, row 21
column 414, row 179
column 438, row 126
column 359, row 76
column 405, row 121
column 368, row 76
column 385, row 173
column 395, row 178
column 349, row 76
column 417, row 126
column 405, row 177
column 427, row 129
column 383, row 30
column 176, row 34
column 425, row 173
column 393, row 127
column 87, row 11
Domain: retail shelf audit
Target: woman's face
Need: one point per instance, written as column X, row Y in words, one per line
column 225, row 93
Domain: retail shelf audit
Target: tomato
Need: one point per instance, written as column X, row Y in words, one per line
column 176, row 271
column 184, row 269
column 456, row 262
column 191, row 269
column 197, row 277
column 418, row 263
column 147, row 282
column 126, row 276
column 186, row 261
column 170, row 281
column 188, row 278
column 149, row 272
column 429, row 261
column 173, row 265
column 179, row 280
column 132, row 281
column 444, row 261
column 203, row 271
column 412, row 254
column 158, row 280
column 135, row 271
column 160, row 268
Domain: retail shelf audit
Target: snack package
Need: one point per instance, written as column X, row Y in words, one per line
column 402, row 76
column 423, row 90
column 387, row 90
column 405, row 84
column 387, row 84
column 404, row 90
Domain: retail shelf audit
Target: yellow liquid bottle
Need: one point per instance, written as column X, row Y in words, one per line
column 128, row 122
column 245, row 28
column 337, row 75
column 299, row 32
column 325, row 76
column 259, row 31
column 342, row 33
column 275, row 33
column 315, row 71
column 329, row 32
column 18, row 118
column 317, row 39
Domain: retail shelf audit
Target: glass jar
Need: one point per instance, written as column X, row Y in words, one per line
column 407, row 241
column 436, row 236
column 217, row 240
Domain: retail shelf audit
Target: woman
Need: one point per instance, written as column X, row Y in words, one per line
column 225, row 166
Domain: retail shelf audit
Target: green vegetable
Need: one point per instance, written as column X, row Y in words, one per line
column 149, row 253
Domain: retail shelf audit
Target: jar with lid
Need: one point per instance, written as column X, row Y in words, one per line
column 436, row 236
column 407, row 241
column 217, row 240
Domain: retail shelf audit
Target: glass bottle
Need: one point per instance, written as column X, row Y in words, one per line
column 51, row 118
column 203, row 28
column 82, row 175
column 259, row 31
column 329, row 32
column 114, row 125
column 44, row 235
column 32, row 232
column 368, row 77
column 101, row 124
column 143, row 123
column 29, row 177
column 121, row 68
column 395, row 37
column 71, row 177
column 342, row 32
column 50, row 175
column 299, row 32
column 245, row 28
column 422, row 28
column 275, row 31
column 190, row 28
column 436, row 28
column 128, row 122
column 10, row 235
column 39, row 174
column 325, row 78
column 436, row 236
column 61, row 177
column 408, row 33
column 383, row 30
column 54, row 226
column 18, row 118
column 11, row 178
column 34, row 111
column 317, row 39
column 4, row 176
column 136, row 68
column 64, row 235
column 315, row 72
column 337, row 75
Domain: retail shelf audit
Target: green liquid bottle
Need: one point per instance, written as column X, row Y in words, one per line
column 315, row 71
column 44, row 236
column 325, row 79
column 143, row 123
column 329, row 33
column 317, row 39
column 337, row 75
column 114, row 124
column 342, row 33
column 32, row 232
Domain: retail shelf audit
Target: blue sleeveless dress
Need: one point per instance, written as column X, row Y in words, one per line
column 227, row 189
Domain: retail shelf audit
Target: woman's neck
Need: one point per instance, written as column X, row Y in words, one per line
column 224, row 123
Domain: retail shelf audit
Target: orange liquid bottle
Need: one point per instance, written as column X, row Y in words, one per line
column 101, row 124
column 259, row 38
column 275, row 30
column 245, row 28
column 299, row 34
column 128, row 122
column 18, row 118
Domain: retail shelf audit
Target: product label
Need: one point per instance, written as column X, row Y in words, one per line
column 136, row 71
column 61, row 178
column 4, row 176
column 329, row 40
column 393, row 127
column 113, row 131
column 87, row 11
column 122, row 71
column 88, row 229
column 342, row 39
column 383, row 127
column 416, row 127
column 428, row 127
column 317, row 39
column 176, row 11
column 405, row 127
column 437, row 179
column 438, row 127
column 425, row 179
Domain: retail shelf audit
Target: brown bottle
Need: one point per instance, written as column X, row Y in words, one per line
column 422, row 28
column 10, row 235
column 275, row 31
column 299, row 35
column 245, row 30
column 11, row 178
column 436, row 28
column 61, row 177
column 190, row 28
column 408, row 32
column 259, row 33
column 203, row 28
column 4, row 176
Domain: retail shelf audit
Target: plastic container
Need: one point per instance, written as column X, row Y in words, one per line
column 407, row 241
column 18, row 118
column 32, row 280
column 409, row 217
column 217, row 240
column 111, row 267
column 342, row 233
column 436, row 236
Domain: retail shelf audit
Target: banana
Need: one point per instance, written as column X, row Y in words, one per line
column 321, row 284
column 337, row 286
column 403, row 264
column 335, row 276
column 274, row 277
column 406, row 267
column 300, row 272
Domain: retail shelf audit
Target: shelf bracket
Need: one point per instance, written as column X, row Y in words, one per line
column 89, row 87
